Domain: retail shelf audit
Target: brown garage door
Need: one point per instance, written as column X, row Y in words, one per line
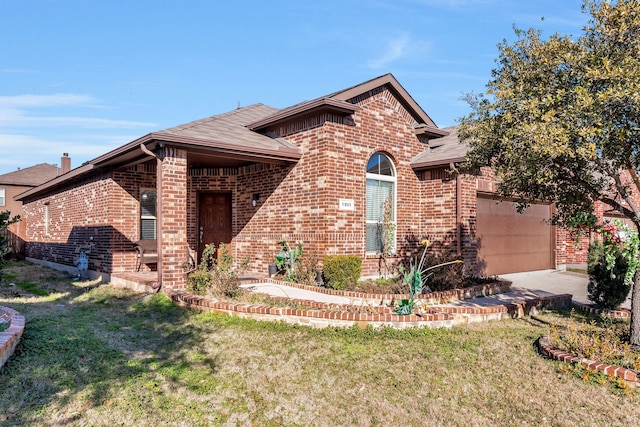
column 510, row 242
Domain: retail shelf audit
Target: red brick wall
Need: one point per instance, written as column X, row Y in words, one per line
column 172, row 211
column 103, row 210
column 296, row 202
column 124, row 211
column 78, row 216
column 304, row 205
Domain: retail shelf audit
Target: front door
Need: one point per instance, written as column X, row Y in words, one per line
column 214, row 219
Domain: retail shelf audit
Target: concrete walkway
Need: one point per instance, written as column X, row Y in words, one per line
column 277, row 290
column 525, row 285
column 555, row 282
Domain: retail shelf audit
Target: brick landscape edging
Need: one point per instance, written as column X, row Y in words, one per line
column 10, row 337
column 621, row 313
column 323, row 315
column 546, row 348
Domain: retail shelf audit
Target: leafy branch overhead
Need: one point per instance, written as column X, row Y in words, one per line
column 560, row 120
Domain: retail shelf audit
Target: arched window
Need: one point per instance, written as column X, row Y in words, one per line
column 381, row 191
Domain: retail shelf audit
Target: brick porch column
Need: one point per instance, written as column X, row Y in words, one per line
column 172, row 204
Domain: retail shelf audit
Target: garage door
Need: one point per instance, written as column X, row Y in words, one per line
column 510, row 242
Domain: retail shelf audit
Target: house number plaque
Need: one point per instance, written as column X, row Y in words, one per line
column 347, row 205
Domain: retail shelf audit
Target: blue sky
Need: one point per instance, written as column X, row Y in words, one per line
column 85, row 77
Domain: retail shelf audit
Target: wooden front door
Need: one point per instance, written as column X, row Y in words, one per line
column 214, row 219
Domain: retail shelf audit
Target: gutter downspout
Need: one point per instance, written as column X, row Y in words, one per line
column 159, row 158
column 458, row 209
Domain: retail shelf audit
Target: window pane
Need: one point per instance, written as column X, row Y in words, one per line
column 148, row 229
column 148, row 225
column 377, row 193
column 374, row 244
column 1, row 196
column 380, row 164
column 380, row 189
column 148, row 203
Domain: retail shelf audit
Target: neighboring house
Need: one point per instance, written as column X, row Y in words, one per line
column 318, row 173
column 19, row 181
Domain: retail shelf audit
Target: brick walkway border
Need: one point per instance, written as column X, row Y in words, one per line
column 10, row 337
column 546, row 348
column 323, row 314
column 621, row 313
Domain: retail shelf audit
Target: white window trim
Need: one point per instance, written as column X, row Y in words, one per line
column 3, row 193
column 394, row 180
column 47, row 218
column 143, row 217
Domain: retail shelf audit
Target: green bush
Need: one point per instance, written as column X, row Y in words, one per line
column 215, row 275
column 199, row 281
column 341, row 270
column 607, row 288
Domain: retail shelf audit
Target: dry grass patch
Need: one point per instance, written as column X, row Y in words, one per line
column 112, row 357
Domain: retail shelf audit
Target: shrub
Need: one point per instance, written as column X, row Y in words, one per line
column 607, row 287
column 216, row 276
column 5, row 221
column 446, row 277
column 199, row 281
column 305, row 268
column 341, row 270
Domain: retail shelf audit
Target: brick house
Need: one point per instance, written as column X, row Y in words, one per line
column 19, row 181
column 318, row 173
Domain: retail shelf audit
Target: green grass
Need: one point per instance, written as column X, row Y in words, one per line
column 33, row 289
column 25, row 285
column 107, row 356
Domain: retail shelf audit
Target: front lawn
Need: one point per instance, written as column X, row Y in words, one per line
column 105, row 356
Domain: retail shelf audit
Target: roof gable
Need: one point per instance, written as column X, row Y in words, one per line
column 344, row 102
column 392, row 84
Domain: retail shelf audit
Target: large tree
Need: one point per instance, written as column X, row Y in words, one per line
column 560, row 120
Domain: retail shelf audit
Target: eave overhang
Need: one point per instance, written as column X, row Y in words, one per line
column 132, row 153
column 431, row 164
column 430, row 131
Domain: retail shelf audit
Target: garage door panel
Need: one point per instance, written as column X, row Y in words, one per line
column 511, row 242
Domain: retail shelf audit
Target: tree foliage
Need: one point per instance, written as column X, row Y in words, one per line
column 560, row 120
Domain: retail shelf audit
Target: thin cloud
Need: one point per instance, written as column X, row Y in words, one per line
column 398, row 48
column 60, row 99
column 63, row 121
column 17, row 71
column 19, row 111
column 49, row 151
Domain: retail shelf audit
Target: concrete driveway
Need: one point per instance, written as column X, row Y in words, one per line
column 556, row 282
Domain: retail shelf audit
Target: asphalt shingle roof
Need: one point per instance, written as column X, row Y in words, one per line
column 31, row 176
column 442, row 151
column 230, row 129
